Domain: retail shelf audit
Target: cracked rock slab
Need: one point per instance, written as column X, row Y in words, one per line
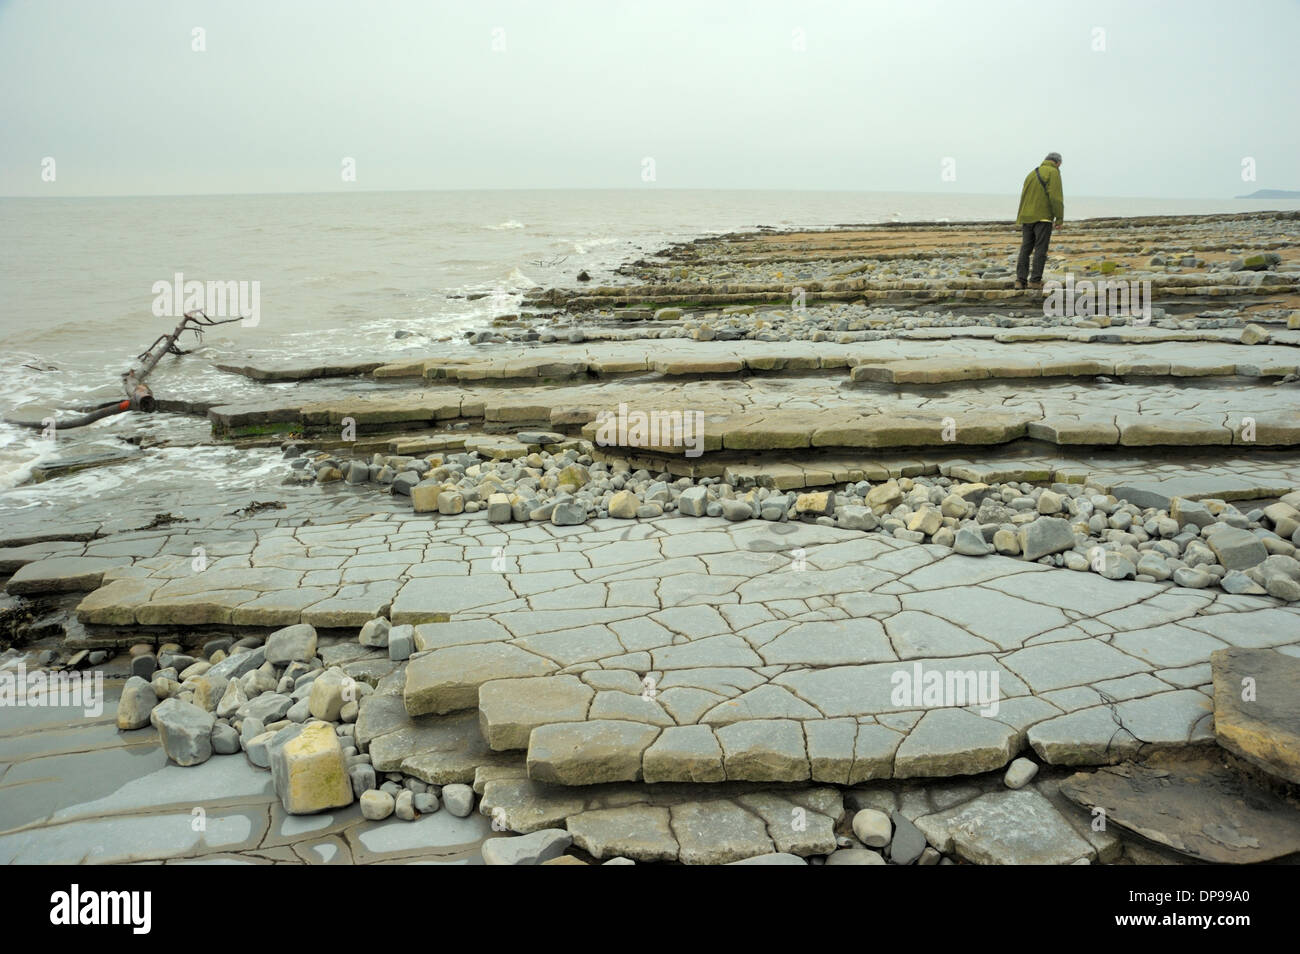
column 764, row 750
column 1015, row 828
column 955, row 742
column 449, row 679
column 509, row 709
column 1107, row 734
column 639, row 832
column 718, row 833
column 61, row 575
column 688, row 753
column 588, row 753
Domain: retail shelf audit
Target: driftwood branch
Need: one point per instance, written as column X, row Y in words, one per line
column 137, row 392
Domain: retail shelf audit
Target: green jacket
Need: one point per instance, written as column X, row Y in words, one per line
column 1034, row 205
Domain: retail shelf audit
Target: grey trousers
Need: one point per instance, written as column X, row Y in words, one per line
column 1034, row 237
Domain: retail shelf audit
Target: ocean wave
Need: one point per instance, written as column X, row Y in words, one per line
column 519, row 280
column 584, row 247
column 19, row 457
column 507, row 224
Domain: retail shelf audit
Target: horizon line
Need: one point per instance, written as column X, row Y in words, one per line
column 652, row 188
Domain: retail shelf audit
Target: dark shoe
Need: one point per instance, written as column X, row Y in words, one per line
column 1020, row 284
column 1036, row 286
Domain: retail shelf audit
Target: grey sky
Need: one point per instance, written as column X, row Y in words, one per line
column 715, row 91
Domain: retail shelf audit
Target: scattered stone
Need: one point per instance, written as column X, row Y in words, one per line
column 459, row 799
column 872, row 828
column 401, row 642
column 376, row 805
column 295, row 643
column 908, row 843
column 330, row 691
column 404, row 805
column 308, row 769
column 1045, row 536
column 185, row 731
column 225, row 740
column 374, row 633
column 1020, row 773
column 136, row 705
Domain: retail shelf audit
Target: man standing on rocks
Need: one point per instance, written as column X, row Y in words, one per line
column 1041, row 202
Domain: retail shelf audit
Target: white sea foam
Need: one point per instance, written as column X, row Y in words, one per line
column 586, row 245
column 19, row 458
column 508, row 224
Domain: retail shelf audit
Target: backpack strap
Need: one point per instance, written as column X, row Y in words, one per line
column 1050, row 207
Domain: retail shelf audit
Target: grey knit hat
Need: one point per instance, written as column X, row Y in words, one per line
column 1053, row 157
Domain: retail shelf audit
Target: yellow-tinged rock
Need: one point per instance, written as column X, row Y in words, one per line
column 424, row 497
column 574, row 474
column 819, row 504
column 310, row 772
column 208, row 691
column 927, row 520
column 1254, row 334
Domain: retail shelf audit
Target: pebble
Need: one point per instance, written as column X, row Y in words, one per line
column 459, row 799
column 872, row 827
column 362, row 777
column 376, row 804
column 405, row 805
column 426, row 803
column 401, row 642
column 907, row 845
column 1020, row 773
column 225, row 740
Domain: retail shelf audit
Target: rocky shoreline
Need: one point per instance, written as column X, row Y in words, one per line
column 481, row 626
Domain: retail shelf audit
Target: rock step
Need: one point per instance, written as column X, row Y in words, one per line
column 1164, row 286
column 691, row 824
column 948, row 299
column 776, row 430
column 861, row 368
column 675, row 433
column 563, row 359
column 285, row 371
column 1236, row 479
column 842, row 751
column 1060, row 410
